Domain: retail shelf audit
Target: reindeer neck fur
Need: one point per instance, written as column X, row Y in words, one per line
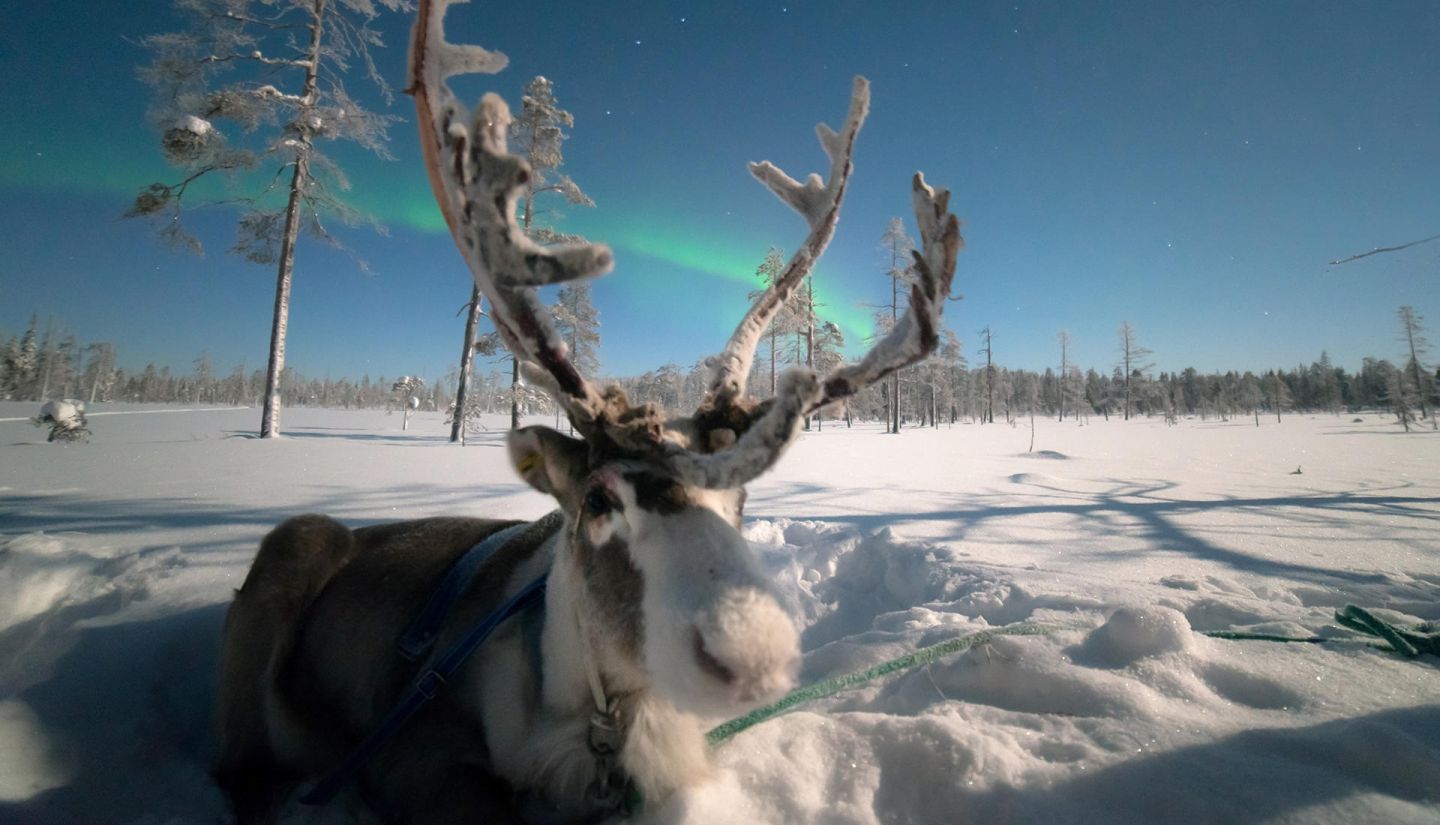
column 544, row 747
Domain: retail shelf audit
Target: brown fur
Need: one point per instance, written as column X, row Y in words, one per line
column 310, row 666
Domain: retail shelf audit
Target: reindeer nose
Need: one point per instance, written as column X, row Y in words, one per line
column 708, row 663
column 749, row 645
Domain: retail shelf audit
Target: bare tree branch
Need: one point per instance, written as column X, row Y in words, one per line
column 1384, row 249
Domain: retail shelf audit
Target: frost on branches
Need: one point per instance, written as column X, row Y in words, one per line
column 259, row 84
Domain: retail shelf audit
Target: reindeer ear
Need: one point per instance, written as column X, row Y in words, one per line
column 552, row 463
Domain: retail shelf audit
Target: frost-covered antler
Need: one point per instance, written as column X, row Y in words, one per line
column 800, row 392
column 477, row 182
column 819, row 203
column 917, row 334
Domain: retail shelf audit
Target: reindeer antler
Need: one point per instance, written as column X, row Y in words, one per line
column 917, row 334
column 800, row 392
column 819, row 203
column 477, row 182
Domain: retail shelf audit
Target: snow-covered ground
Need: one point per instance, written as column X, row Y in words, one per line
column 117, row 557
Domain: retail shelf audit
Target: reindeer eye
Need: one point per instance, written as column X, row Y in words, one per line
column 597, row 503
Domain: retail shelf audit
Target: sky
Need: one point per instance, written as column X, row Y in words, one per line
column 1189, row 167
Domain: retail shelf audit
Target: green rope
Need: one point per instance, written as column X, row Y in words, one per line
column 1241, row 636
column 1409, row 642
column 830, row 687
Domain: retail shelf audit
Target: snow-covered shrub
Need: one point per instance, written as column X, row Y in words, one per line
column 66, row 420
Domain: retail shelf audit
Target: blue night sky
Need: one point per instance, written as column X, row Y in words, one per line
column 1190, row 167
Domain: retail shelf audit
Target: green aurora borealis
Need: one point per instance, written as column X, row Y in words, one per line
column 1187, row 167
column 651, row 250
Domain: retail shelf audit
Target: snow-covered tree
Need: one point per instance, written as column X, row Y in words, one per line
column 1398, row 394
column 1412, row 333
column 22, row 364
column 537, row 134
column 66, row 420
column 1132, row 362
column 1065, row 367
column 1098, row 392
column 987, row 350
column 1326, row 380
column 783, row 323
column 898, row 249
column 940, row 375
column 1277, row 392
column 272, row 69
column 407, row 389
column 578, row 322
column 828, row 352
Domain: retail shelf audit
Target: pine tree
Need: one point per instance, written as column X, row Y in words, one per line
column 1412, row 333
column 988, row 350
column 1278, row 392
column 406, row 389
column 1064, row 338
column 9, row 355
column 898, row 248
column 828, row 353
column 307, row 44
column 100, row 370
column 537, row 134
column 768, row 272
column 1132, row 360
column 578, row 322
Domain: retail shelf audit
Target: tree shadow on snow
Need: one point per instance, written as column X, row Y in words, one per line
column 1253, row 776
column 62, row 512
column 481, row 438
column 370, row 437
column 1398, row 432
column 1142, row 511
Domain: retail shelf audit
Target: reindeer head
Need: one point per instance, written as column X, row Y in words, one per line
column 655, row 503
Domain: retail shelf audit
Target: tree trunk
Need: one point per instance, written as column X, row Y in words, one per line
column 895, row 402
column 47, row 354
column 773, row 333
column 1415, row 368
column 270, row 418
column 514, row 393
column 894, row 320
column 467, row 357
column 809, row 331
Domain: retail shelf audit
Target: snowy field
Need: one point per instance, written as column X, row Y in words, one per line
column 117, row 558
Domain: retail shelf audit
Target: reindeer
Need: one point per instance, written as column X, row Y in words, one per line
column 655, row 619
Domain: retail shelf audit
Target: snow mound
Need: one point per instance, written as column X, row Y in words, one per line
column 1134, row 633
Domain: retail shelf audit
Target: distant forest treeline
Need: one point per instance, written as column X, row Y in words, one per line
column 43, row 364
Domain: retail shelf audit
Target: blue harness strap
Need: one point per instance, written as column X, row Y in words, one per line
column 418, row 638
column 420, row 635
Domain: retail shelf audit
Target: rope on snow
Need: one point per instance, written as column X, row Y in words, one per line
column 1408, row 642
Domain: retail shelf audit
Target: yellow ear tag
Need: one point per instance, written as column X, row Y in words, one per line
column 526, row 464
